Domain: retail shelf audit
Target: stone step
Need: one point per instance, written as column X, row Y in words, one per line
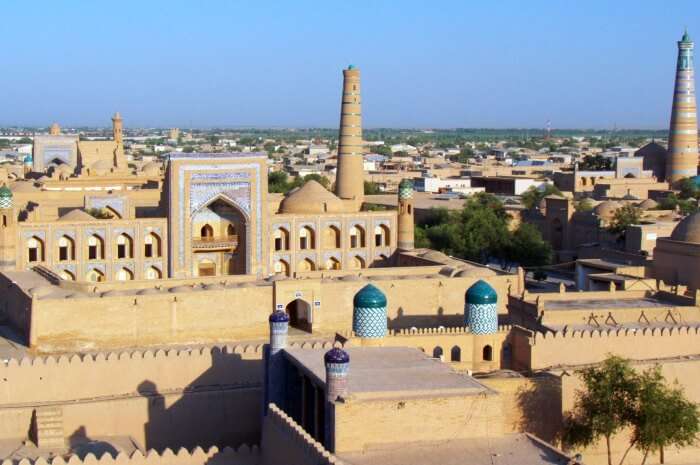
column 49, row 427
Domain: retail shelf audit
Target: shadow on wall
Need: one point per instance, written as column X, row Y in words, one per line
column 403, row 321
column 215, row 409
column 540, row 407
column 81, row 445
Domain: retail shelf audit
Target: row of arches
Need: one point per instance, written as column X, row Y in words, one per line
column 330, row 238
column 66, row 248
column 282, row 267
column 456, row 353
column 122, row 274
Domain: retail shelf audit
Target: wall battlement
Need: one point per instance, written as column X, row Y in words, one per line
column 243, row 455
column 284, row 441
column 691, row 329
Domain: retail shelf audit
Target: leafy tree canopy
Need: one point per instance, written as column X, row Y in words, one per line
column 531, row 198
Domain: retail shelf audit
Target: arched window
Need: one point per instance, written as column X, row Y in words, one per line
column 206, row 231
column 281, row 237
column 357, row 263
column 151, row 245
column 206, row 267
column 331, row 238
column 437, row 352
column 66, row 249
column 332, row 264
column 124, row 274
column 66, row 275
column 306, row 238
column 230, row 230
column 281, row 267
column 306, row 265
column 357, row 237
column 125, row 246
column 4, row 220
column 456, row 354
column 487, row 353
column 35, row 250
column 96, row 249
column 95, row 276
column 381, row 236
column 153, row 273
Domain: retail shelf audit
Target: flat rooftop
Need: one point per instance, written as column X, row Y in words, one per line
column 512, row 449
column 598, row 304
column 390, row 372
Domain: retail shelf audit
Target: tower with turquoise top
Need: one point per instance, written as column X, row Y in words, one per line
column 8, row 229
column 5, row 197
column 405, row 217
column 369, row 316
column 337, row 363
column 682, row 157
column 274, row 362
column 480, row 308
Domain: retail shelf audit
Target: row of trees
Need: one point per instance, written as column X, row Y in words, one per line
column 479, row 232
column 615, row 397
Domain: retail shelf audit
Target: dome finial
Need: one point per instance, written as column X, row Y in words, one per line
column 686, row 36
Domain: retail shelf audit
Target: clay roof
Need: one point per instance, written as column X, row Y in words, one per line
column 607, row 209
column 23, row 187
column 312, row 197
column 77, row 215
column 688, row 230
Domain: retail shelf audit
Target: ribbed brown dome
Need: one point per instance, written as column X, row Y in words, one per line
column 312, row 197
column 688, row 230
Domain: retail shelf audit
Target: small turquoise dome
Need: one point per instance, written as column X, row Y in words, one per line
column 5, row 192
column 369, row 296
column 279, row 316
column 686, row 37
column 481, row 292
column 28, row 159
column 351, row 67
column 696, row 180
column 336, row 355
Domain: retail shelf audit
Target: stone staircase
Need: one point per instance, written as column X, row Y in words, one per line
column 49, row 427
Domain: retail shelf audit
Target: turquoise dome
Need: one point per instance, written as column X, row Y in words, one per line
column 5, row 192
column 696, row 180
column 481, row 292
column 369, row 296
column 28, row 159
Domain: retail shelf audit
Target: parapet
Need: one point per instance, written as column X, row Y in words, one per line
column 244, row 455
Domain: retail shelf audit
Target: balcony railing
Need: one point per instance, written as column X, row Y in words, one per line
column 213, row 242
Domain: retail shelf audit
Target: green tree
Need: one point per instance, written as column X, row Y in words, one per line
column 531, row 198
column 605, row 406
column 382, row 150
column 464, row 155
column 527, row 248
column 688, row 189
column 624, row 216
column 420, row 238
column 277, row 182
column 596, row 163
column 372, row 188
column 584, row 205
column 664, row 417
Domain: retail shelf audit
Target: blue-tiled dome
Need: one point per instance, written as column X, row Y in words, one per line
column 481, row 292
column 336, row 355
column 28, row 159
column 369, row 296
column 696, row 180
column 5, row 192
column 278, row 316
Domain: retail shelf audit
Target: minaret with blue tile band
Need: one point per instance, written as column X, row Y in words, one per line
column 480, row 308
column 274, row 363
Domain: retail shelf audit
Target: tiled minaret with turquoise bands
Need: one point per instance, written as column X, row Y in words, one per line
column 405, row 217
column 682, row 158
column 369, row 313
column 480, row 308
column 5, row 197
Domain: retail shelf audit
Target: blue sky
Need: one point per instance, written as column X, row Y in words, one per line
column 583, row 64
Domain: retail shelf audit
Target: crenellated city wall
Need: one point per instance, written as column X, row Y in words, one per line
column 243, row 455
column 580, row 347
column 285, row 442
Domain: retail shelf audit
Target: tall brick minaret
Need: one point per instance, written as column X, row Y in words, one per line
column 349, row 183
column 682, row 158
